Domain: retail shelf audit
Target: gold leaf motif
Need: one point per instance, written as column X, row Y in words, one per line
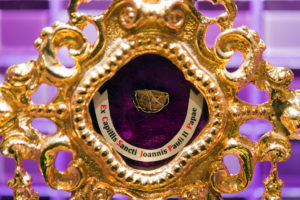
column 7, row 108
column 130, row 28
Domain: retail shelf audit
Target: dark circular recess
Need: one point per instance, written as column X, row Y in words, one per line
column 144, row 130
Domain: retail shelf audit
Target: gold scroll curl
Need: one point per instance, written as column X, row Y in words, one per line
column 251, row 46
column 72, row 177
column 130, row 28
column 224, row 21
column 225, row 182
column 53, row 38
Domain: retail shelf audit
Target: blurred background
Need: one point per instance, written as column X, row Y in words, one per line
column 277, row 22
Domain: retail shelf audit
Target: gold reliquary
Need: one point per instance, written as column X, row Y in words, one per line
column 148, row 110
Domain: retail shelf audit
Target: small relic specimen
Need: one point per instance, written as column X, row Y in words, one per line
column 150, row 101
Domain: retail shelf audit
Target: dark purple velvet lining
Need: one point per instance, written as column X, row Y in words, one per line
column 149, row 131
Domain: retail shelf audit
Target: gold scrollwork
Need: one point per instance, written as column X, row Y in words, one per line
column 94, row 190
column 291, row 114
column 224, row 182
column 175, row 30
column 128, row 16
column 68, row 180
column 175, row 16
column 251, row 47
column 200, row 191
column 53, row 38
column 21, row 184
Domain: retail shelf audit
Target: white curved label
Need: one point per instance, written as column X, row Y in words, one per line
column 186, row 132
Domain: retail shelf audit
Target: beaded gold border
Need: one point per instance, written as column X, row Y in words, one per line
column 130, row 28
column 109, row 65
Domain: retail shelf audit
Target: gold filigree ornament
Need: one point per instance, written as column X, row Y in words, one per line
column 175, row 30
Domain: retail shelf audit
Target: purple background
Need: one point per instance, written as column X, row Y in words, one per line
column 277, row 22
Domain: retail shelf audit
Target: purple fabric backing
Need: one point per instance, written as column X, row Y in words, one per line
column 149, row 131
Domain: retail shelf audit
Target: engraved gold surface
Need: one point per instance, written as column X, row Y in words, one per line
column 129, row 28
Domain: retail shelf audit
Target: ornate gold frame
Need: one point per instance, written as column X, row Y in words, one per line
column 129, row 28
